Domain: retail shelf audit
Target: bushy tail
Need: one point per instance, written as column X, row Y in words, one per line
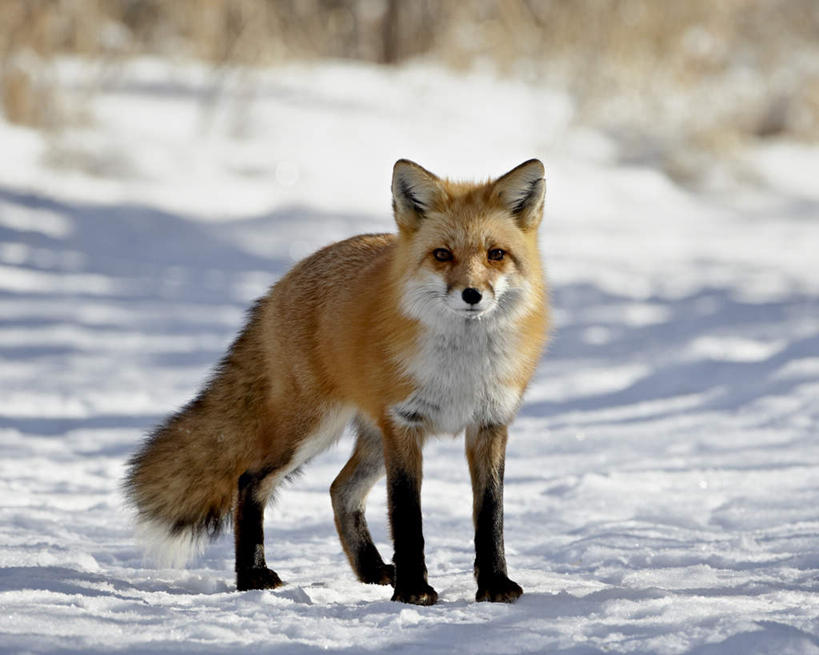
column 182, row 483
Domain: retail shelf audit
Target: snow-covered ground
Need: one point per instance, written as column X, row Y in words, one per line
column 662, row 487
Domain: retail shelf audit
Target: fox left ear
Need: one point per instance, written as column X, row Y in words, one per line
column 415, row 191
column 522, row 191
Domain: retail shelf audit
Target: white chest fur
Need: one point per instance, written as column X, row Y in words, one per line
column 461, row 376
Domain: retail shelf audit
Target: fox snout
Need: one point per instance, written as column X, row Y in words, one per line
column 471, row 299
column 471, row 296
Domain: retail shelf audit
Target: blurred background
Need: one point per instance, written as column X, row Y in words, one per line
column 672, row 80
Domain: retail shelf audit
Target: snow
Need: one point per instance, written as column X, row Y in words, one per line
column 662, row 477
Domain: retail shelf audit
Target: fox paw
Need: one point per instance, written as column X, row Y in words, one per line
column 499, row 590
column 381, row 574
column 257, row 578
column 421, row 594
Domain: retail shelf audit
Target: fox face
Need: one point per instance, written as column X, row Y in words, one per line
column 468, row 250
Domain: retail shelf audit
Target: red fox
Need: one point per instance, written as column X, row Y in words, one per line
column 433, row 330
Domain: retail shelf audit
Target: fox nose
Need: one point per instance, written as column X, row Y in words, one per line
column 471, row 296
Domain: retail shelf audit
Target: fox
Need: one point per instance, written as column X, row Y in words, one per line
column 432, row 330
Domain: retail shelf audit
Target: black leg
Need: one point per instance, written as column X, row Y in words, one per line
column 486, row 452
column 407, row 532
column 251, row 569
column 403, row 458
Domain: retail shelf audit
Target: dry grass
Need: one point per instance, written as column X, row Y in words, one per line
column 713, row 72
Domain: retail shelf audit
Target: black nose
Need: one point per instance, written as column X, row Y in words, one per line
column 471, row 296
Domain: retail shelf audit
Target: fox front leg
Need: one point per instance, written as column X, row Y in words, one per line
column 402, row 456
column 486, row 453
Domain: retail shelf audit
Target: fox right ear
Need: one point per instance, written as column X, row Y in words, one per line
column 415, row 191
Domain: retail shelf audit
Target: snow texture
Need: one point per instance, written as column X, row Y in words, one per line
column 662, row 484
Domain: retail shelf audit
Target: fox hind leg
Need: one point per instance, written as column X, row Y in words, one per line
column 251, row 568
column 349, row 493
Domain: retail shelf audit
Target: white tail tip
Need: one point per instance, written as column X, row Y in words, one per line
column 165, row 548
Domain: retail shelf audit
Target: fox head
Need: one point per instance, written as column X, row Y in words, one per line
column 467, row 251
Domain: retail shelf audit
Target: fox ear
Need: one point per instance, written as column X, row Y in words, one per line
column 522, row 191
column 415, row 191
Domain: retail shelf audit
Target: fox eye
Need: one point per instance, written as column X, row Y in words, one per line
column 496, row 254
column 442, row 254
